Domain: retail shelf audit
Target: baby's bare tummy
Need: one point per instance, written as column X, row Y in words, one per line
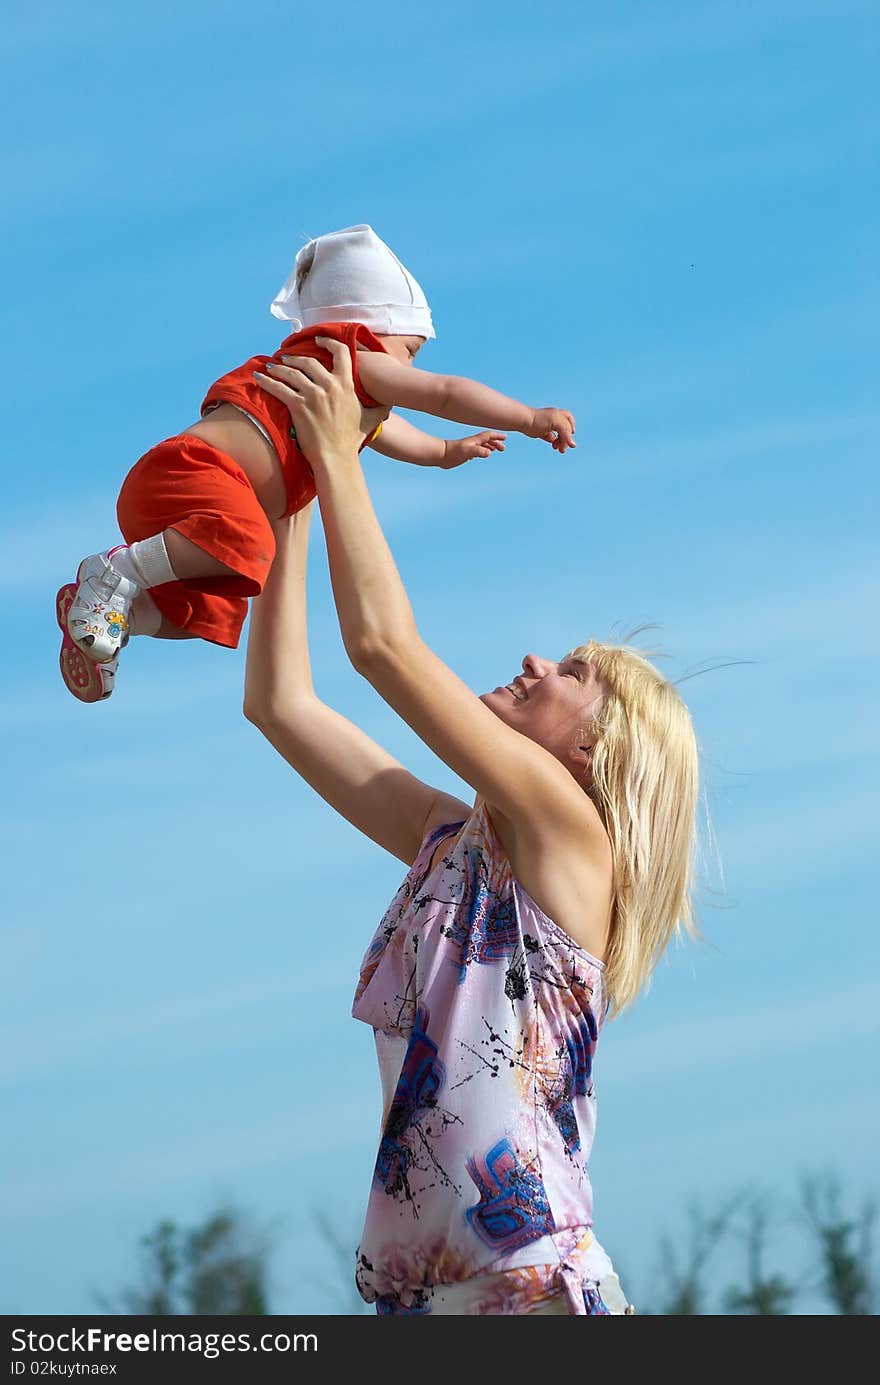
column 226, row 428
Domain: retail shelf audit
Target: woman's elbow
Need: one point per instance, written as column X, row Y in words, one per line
column 265, row 716
column 289, row 713
column 376, row 659
column 255, row 713
column 361, row 654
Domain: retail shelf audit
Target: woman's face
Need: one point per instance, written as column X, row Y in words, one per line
column 552, row 703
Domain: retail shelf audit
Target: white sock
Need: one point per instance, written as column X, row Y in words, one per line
column 144, row 618
column 146, row 563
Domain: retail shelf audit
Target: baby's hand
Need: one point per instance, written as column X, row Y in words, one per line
column 555, row 426
column 460, row 450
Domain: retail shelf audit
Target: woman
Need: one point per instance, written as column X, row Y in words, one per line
column 523, row 917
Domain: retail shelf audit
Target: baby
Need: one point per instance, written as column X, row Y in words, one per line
column 196, row 511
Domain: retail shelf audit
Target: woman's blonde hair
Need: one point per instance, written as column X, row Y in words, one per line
column 645, row 785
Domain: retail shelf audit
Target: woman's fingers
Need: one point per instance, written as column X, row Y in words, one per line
column 341, row 358
column 341, row 372
column 277, row 387
column 296, row 373
column 314, row 370
column 322, row 403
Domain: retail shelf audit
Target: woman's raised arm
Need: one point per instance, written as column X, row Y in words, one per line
column 348, row 769
column 527, row 783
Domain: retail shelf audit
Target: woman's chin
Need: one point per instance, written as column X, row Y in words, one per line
column 496, row 699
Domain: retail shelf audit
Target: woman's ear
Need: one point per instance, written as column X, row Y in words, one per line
column 581, row 756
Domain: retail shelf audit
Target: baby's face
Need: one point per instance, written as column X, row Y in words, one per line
column 402, row 348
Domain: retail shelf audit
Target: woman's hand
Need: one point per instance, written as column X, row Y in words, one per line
column 323, row 406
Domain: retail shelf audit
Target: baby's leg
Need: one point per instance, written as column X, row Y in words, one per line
column 107, row 608
column 200, row 543
column 167, row 631
column 108, row 603
column 145, row 618
column 93, row 682
column 188, row 560
column 166, row 557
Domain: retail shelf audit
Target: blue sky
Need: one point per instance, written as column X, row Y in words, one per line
column 655, row 215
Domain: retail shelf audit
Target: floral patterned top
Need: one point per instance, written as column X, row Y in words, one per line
column 486, row 1016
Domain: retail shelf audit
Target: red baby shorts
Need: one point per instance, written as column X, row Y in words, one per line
column 186, row 484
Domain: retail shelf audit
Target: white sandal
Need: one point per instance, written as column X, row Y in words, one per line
column 88, row 681
column 97, row 620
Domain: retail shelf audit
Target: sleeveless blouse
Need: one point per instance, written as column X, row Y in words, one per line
column 486, row 1016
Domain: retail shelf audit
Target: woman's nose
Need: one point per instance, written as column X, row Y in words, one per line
column 535, row 667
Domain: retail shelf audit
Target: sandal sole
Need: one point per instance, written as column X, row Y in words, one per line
column 82, row 677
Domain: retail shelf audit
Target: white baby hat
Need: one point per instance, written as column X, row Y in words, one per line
column 355, row 277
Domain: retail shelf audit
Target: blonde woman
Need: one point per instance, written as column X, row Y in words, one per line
column 524, row 917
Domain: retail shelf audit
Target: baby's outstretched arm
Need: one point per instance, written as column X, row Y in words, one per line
column 461, row 400
column 404, row 443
